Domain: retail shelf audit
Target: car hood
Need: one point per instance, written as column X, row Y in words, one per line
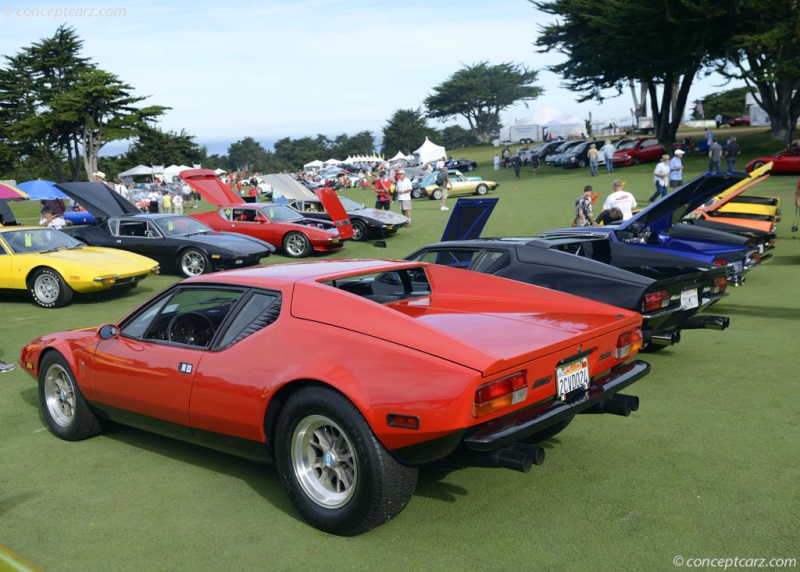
column 468, row 219
column 756, row 176
column 386, row 217
column 239, row 243
column 206, row 182
column 99, row 261
column 667, row 211
column 333, row 206
column 287, row 186
column 98, row 199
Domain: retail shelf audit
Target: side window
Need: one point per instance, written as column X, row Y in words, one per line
column 190, row 316
column 461, row 258
column 490, row 261
column 225, row 213
column 259, row 311
column 2, row 250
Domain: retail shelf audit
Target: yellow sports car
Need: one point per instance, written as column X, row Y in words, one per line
column 52, row 265
column 461, row 185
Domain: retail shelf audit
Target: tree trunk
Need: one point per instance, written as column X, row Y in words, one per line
column 666, row 127
column 773, row 99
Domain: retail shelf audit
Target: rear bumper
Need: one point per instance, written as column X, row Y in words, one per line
column 504, row 431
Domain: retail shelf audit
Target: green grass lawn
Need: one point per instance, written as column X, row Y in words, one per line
column 708, row 467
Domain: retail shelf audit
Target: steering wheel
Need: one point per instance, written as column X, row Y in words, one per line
column 191, row 328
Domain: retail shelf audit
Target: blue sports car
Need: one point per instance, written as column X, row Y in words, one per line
column 661, row 227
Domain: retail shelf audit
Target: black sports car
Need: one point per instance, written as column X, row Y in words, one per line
column 177, row 242
column 462, row 164
column 668, row 290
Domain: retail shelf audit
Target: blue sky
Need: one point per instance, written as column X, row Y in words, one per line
column 271, row 68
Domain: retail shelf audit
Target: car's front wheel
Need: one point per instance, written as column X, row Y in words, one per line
column 437, row 195
column 359, row 230
column 65, row 410
column 297, row 245
column 470, row 167
column 48, row 289
column 193, row 262
column 481, row 189
column 758, row 165
column 416, row 192
column 336, row 473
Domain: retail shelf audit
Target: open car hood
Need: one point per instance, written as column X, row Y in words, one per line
column 669, row 210
column 333, row 206
column 98, row 199
column 756, row 176
column 468, row 218
column 206, row 182
column 287, row 186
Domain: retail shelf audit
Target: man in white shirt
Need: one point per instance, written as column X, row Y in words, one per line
column 51, row 220
column 403, row 189
column 622, row 200
column 661, row 178
column 177, row 203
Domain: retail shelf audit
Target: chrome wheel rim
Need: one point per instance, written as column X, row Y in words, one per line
column 59, row 395
column 295, row 245
column 324, row 462
column 358, row 232
column 192, row 263
column 46, row 288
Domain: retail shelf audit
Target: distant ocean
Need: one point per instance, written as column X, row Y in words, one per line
column 214, row 146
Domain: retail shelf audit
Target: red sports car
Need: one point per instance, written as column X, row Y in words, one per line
column 637, row 151
column 739, row 121
column 278, row 225
column 410, row 364
column 786, row 162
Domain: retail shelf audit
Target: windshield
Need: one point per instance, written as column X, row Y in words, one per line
column 39, row 240
column 350, row 204
column 627, row 145
column 280, row 213
column 178, row 225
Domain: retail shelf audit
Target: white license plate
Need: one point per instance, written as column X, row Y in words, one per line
column 738, row 266
column 689, row 298
column 761, row 249
column 572, row 376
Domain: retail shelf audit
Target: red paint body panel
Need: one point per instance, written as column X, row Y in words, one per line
column 207, row 183
column 786, row 162
column 422, row 356
column 333, row 206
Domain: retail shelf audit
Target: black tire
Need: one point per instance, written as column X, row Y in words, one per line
column 296, row 245
column 193, row 262
column 48, row 289
column 581, row 163
column 436, row 195
column 635, row 161
column 758, row 165
column 65, row 410
column 481, row 189
column 360, row 230
column 470, row 167
column 336, row 473
column 550, row 432
column 416, row 193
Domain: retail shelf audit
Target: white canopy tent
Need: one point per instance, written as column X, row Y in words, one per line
column 315, row 164
column 137, row 171
column 173, row 171
column 429, row 152
column 333, row 162
column 220, row 171
column 398, row 157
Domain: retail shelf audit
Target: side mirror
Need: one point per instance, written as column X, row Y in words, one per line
column 107, row 331
column 260, row 219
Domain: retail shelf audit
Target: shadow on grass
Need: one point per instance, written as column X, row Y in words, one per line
column 767, row 312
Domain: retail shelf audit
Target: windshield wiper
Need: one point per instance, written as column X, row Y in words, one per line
column 54, row 249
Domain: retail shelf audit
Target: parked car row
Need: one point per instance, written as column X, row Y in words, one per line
column 471, row 353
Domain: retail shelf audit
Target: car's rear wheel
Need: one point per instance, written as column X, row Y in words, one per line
column 336, row 473
column 297, row 245
column 470, row 167
column 359, row 230
column 416, row 192
column 581, row 163
column 193, row 262
column 48, row 289
column 758, row 164
column 437, row 195
column 635, row 161
column 65, row 410
column 481, row 189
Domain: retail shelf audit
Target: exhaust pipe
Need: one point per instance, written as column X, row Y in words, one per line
column 707, row 323
column 661, row 338
column 621, row 405
column 632, row 399
column 736, row 280
column 501, row 458
column 536, row 453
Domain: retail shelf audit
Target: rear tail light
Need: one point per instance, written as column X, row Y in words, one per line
column 720, row 262
column 496, row 395
column 655, row 301
column 628, row 343
column 719, row 285
column 754, row 258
